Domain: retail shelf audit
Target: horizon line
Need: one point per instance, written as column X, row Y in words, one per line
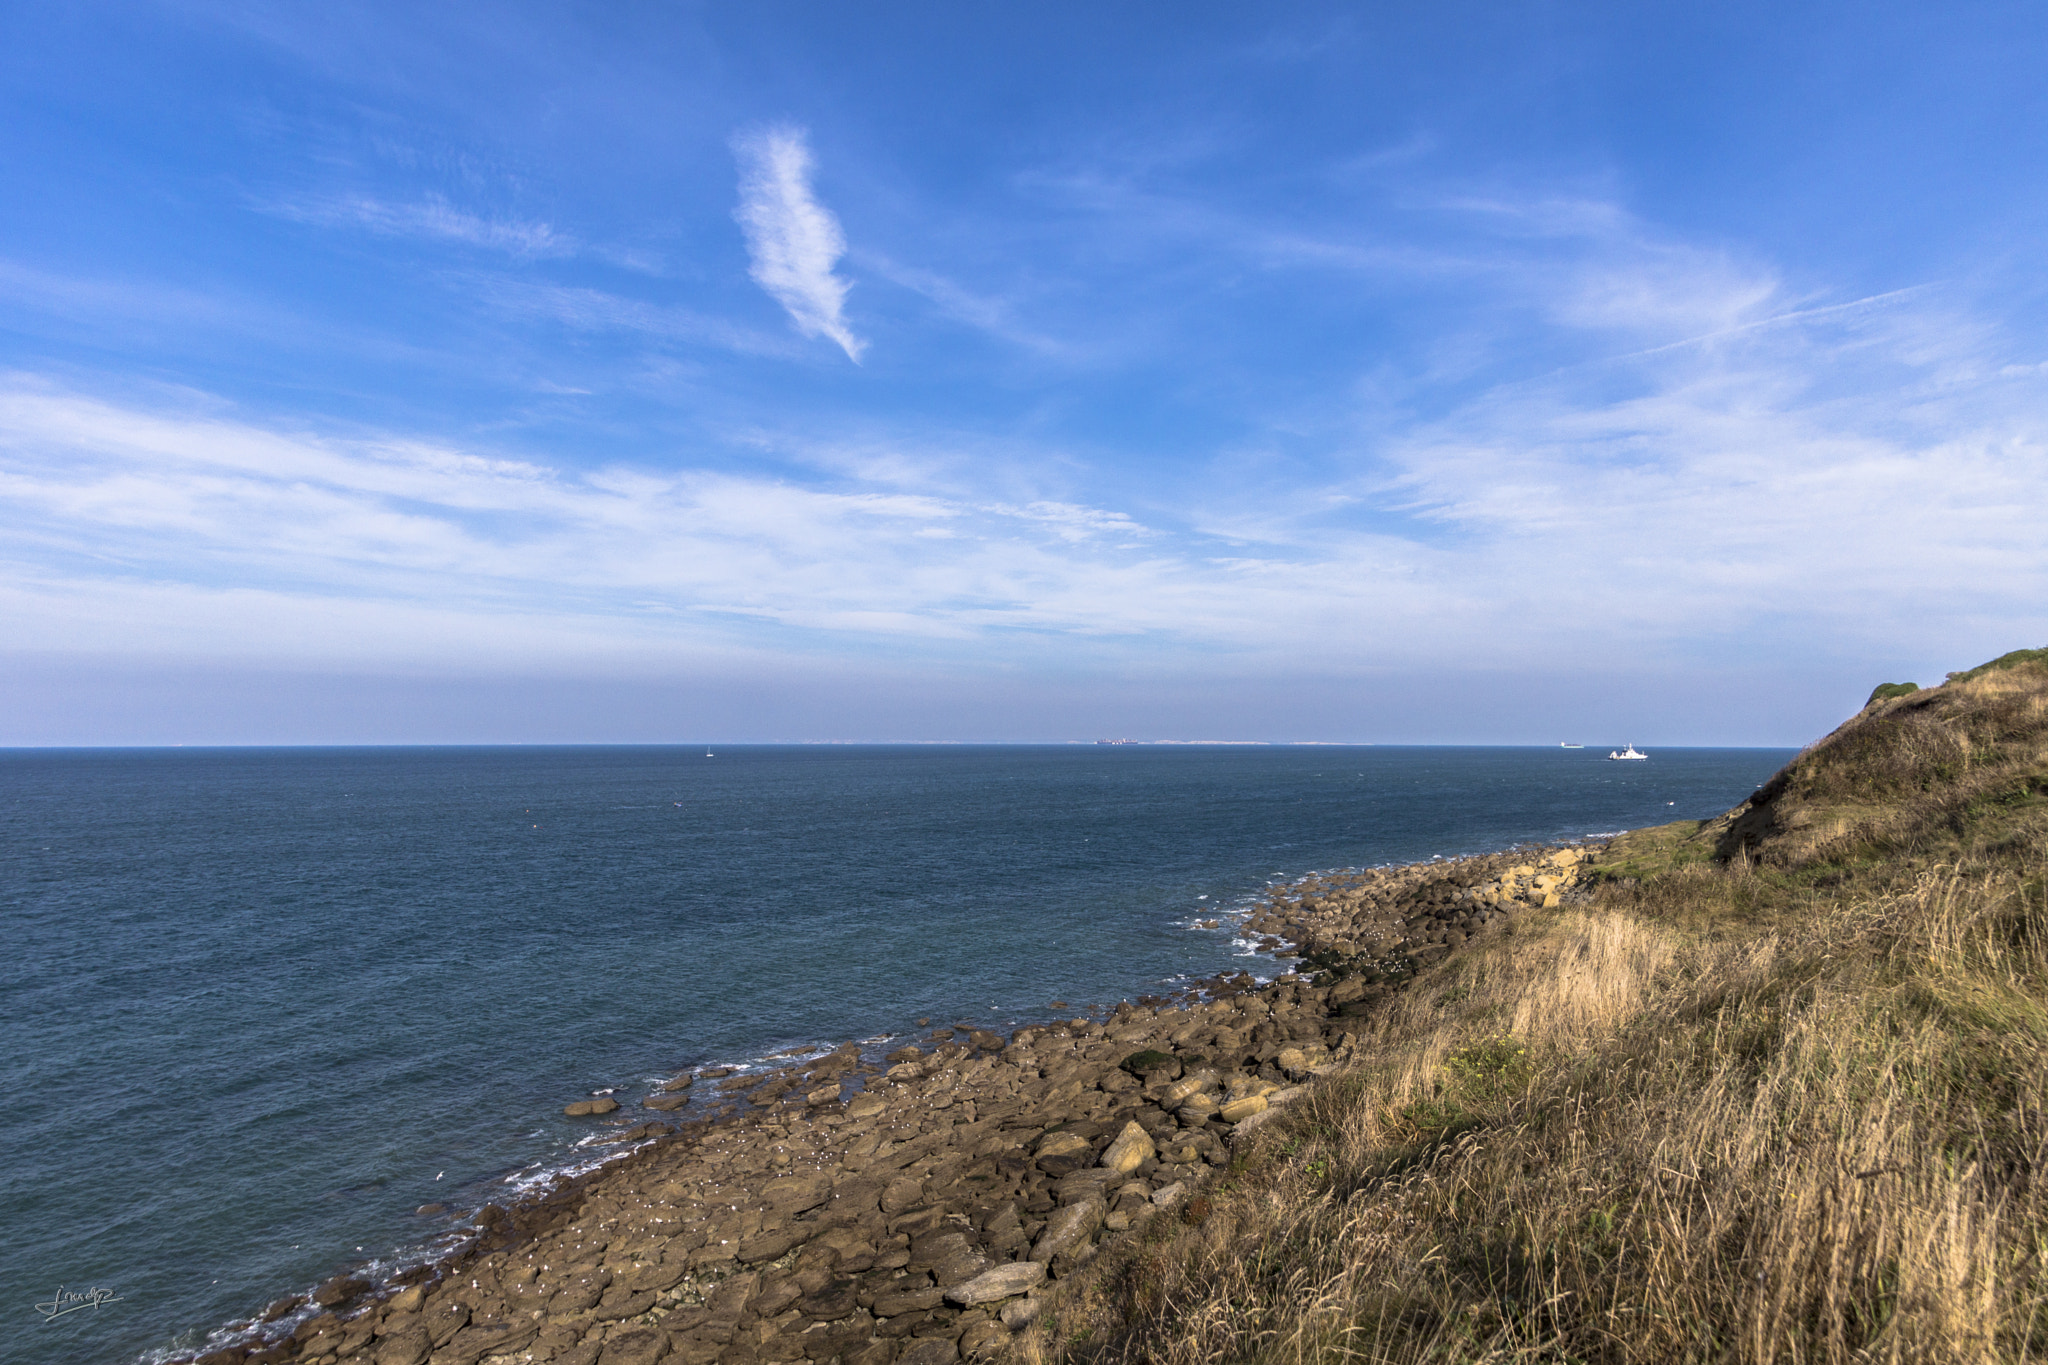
column 713, row 745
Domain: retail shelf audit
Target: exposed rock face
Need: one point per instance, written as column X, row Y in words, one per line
column 913, row 1223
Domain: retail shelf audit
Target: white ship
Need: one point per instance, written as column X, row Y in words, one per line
column 1626, row 754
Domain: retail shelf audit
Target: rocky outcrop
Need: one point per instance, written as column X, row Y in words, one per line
column 1360, row 930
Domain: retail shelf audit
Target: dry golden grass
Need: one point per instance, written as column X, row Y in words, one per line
column 1729, row 1112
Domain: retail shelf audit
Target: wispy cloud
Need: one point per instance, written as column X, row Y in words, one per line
column 1076, row 523
column 98, row 499
column 982, row 312
column 1821, row 484
column 595, row 310
column 433, row 218
column 794, row 240
column 1857, row 477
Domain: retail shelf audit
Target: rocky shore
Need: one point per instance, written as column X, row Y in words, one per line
column 913, row 1210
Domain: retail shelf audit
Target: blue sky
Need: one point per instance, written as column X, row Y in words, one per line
column 649, row 372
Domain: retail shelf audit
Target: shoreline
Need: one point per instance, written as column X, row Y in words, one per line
column 916, row 1218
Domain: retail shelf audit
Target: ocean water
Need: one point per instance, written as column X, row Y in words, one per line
column 261, row 1005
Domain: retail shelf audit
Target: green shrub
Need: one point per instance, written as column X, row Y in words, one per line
column 1495, row 1067
column 2012, row 660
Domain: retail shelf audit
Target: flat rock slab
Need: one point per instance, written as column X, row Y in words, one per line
column 909, row 1301
column 640, row 1346
column 1241, row 1134
column 1004, row 1282
column 930, row 1351
column 834, row 1301
column 1084, row 1185
column 768, row 1245
column 797, row 1193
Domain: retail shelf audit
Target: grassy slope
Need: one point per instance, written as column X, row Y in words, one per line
column 1775, row 1090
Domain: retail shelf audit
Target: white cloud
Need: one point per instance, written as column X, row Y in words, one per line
column 132, row 302
column 99, row 501
column 988, row 314
column 594, row 310
column 1825, row 484
column 1076, row 523
column 794, row 240
column 1865, row 478
column 432, row 217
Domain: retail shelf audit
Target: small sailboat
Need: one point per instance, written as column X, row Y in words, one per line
column 1626, row 755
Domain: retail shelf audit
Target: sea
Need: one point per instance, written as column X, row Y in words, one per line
column 262, row 1005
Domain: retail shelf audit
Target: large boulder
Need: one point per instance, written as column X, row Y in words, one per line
column 1176, row 1093
column 1003, row 1282
column 904, row 1192
column 1061, row 1153
column 1062, row 1143
column 1152, row 1065
column 1131, row 1149
column 1237, row 1110
column 1069, row 1233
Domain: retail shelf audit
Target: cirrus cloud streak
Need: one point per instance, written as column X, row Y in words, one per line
column 794, row 241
